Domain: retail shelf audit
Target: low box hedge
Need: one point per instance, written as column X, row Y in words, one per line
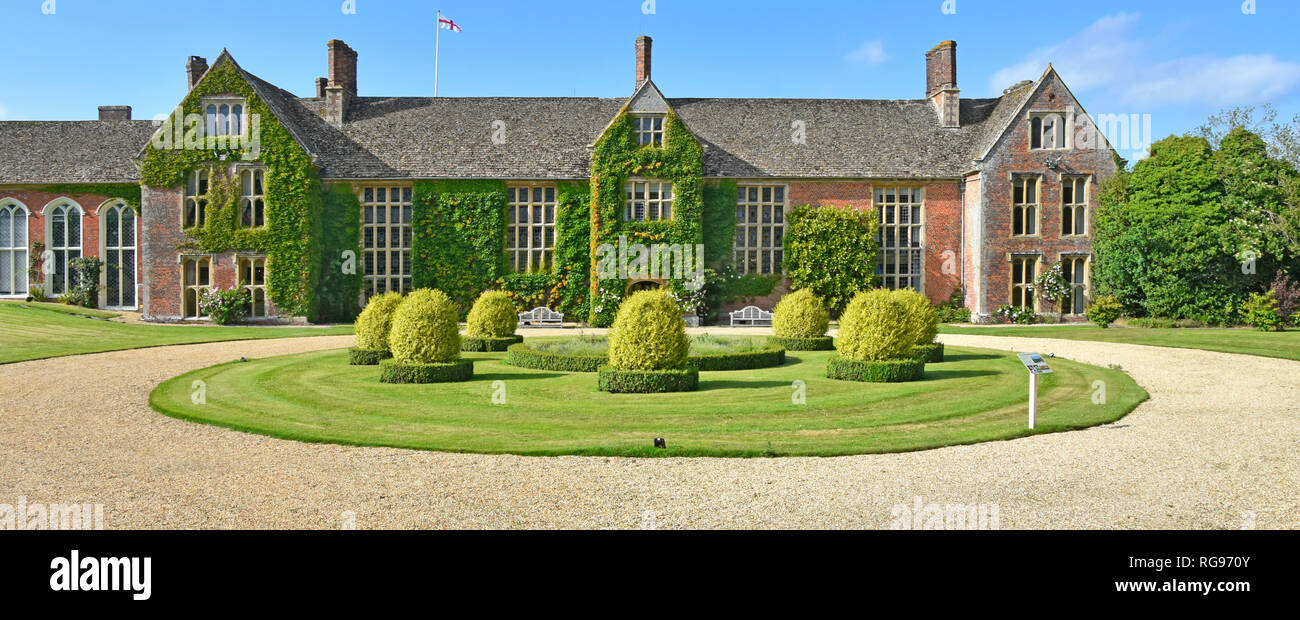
column 818, row 343
column 390, row 371
column 929, row 353
column 524, row 356
column 887, row 371
column 769, row 356
column 367, row 357
column 613, row 380
column 488, row 344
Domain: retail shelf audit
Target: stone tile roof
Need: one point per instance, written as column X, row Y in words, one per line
column 68, row 152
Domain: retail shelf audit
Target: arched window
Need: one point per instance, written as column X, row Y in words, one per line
column 63, row 241
column 117, row 227
column 223, row 120
column 196, row 199
column 13, row 248
column 237, row 120
column 212, row 123
column 1047, row 131
column 252, row 198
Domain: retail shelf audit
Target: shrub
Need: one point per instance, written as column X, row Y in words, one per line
column 1052, row 287
column 524, row 355
column 225, row 305
column 766, row 356
column 493, row 316
column 85, row 276
column 800, row 315
column 931, row 353
column 1261, row 312
column 489, row 345
column 620, row 381
column 1104, row 310
column 392, row 371
column 954, row 310
column 875, row 371
column 1163, row 323
column 424, row 329
column 375, row 321
column 832, row 252
column 367, row 357
column 1288, row 298
column 820, row 343
column 876, row 326
column 648, row 333
column 1015, row 314
column 923, row 319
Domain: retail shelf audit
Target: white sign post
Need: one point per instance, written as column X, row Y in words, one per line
column 1036, row 365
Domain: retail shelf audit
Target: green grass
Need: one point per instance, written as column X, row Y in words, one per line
column 39, row 331
column 976, row 396
column 1284, row 345
column 66, row 309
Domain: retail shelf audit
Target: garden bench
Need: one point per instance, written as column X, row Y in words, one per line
column 541, row 317
column 750, row 315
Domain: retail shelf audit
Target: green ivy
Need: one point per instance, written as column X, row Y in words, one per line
column 459, row 237
column 832, row 251
column 293, row 197
column 335, row 232
column 130, row 194
column 719, row 222
column 616, row 158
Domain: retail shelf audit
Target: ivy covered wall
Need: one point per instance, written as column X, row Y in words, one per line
column 299, row 244
column 616, row 158
column 459, row 237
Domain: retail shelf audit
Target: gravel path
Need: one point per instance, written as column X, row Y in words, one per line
column 1215, row 447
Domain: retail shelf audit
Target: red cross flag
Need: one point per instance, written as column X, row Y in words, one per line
column 446, row 23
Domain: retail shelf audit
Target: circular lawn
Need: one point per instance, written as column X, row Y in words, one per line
column 976, row 395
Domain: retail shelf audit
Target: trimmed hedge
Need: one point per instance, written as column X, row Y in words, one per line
column 493, row 316
column 488, row 345
column 800, row 315
column 772, row 355
column 648, row 333
column 820, row 343
column 392, row 371
column 886, row 371
column 367, row 357
column 929, row 353
column 524, row 356
column 424, row 329
column 617, row 381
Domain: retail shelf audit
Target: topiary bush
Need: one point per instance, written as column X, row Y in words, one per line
column 1104, row 310
column 493, row 316
column 922, row 317
column 618, row 381
column 820, row 343
column 375, row 320
column 800, row 315
column 931, row 353
column 877, row 326
column 648, row 333
column 424, row 329
column 880, row 371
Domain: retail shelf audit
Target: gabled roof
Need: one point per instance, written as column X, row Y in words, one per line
column 648, row 99
column 68, row 152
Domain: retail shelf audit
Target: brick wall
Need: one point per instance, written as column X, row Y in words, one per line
column 91, row 240
column 1012, row 156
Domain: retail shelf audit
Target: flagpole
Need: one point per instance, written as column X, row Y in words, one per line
column 437, row 45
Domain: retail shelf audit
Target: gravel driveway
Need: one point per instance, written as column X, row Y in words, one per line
column 1215, row 447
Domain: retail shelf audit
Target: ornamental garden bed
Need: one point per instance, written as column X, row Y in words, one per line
column 589, row 354
column 794, row 409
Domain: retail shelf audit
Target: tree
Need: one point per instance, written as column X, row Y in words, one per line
column 831, row 251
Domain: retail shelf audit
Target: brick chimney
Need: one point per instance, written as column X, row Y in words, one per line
column 115, row 113
column 195, row 68
column 342, row 83
column 643, row 45
column 941, row 83
column 343, row 66
column 321, row 84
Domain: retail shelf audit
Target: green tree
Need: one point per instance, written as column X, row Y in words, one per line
column 832, row 252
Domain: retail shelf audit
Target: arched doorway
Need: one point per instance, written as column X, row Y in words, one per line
column 643, row 285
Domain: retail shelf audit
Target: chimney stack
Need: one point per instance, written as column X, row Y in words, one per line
column 195, row 68
column 115, row 113
column 321, row 83
column 343, row 66
column 643, row 45
column 941, row 83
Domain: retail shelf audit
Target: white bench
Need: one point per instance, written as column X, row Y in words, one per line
column 541, row 317
column 750, row 315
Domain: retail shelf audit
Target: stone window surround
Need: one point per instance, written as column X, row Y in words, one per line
column 198, row 287
column 1063, row 138
column 629, row 187
column 1012, row 285
column 1037, row 204
column 743, row 225
column 48, row 214
column 1077, row 204
column 521, row 257
column 211, row 119
column 879, row 206
column 1081, row 288
column 17, row 207
column 648, row 129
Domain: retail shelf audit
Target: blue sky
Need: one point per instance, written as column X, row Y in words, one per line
column 1177, row 61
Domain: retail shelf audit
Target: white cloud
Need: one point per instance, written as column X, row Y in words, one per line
column 1113, row 56
column 871, row 53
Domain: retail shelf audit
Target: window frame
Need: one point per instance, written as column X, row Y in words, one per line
column 253, row 287
column 251, row 201
column 629, row 199
column 49, row 214
column 19, row 267
column 902, row 254
column 198, row 181
column 652, row 136
column 1081, row 289
column 1037, row 132
column 404, row 230
column 217, row 125
column 1036, row 205
column 1025, row 287
column 198, row 287
column 548, row 208
column 1076, row 206
column 106, row 249
column 771, row 253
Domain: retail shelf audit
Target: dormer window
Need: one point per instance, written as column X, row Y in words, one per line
column 224, row 116
column 1047, row 132
column 649, row 130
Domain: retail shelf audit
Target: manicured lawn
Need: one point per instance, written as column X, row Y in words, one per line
column 978, row 395
column 1248, row 341
column 39, row 331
